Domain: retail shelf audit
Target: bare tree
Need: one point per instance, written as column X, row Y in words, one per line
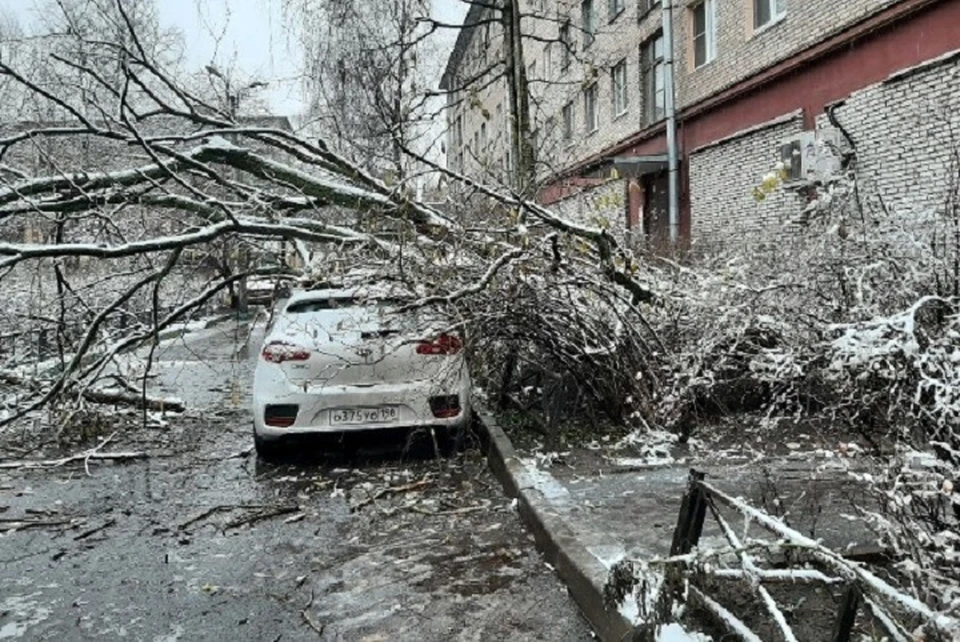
column 166, row 176
column 367, row 67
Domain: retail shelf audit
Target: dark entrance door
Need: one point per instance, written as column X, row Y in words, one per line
column 656, row 209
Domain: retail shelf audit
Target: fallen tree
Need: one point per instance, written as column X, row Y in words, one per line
column 169, row 176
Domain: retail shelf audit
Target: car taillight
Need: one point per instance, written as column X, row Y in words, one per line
column 444, row 344
column 278, row 352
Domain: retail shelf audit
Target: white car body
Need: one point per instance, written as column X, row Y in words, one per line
column 344, row 360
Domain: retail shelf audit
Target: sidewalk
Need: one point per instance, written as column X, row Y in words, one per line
column 588, row 515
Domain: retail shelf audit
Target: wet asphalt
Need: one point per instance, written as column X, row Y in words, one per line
column 201, row 541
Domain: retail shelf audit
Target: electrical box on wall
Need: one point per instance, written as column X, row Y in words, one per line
column 811, row 157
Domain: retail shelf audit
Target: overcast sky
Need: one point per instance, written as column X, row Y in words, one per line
column 247, row 36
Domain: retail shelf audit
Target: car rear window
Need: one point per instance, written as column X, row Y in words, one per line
column 318, row 305
column 340, row 303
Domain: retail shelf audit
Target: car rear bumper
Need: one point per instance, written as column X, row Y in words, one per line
column 316, row 409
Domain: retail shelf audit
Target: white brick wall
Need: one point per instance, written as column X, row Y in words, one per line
column 601, row 206
column 722, row 178
column 907, row 133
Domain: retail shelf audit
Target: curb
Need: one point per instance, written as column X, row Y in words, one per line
column 571, row 560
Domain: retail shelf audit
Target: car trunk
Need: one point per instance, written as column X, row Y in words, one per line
column 360, row 346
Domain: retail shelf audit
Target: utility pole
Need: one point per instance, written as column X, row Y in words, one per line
column 518, row 92
column 670, row 109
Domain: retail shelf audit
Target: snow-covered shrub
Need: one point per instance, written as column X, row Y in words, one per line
column 848, row 317
column 783, row 326
column 905, row 366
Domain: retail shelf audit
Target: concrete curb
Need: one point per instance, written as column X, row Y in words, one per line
column 577, row 567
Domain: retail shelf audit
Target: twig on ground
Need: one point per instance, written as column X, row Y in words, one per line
column 259, row 517
column 19, row 525
column 85, row 457
column 94, row 531
column 391, row 490
column 215, row 509
column 318, row 628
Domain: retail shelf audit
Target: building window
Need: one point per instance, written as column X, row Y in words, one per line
column 704, row 32
column 484, row 43
column 458, row 142
column 566, row 44
column 590, row 119
column 615, row 8
column 651, row 65
column 645, row 6
column 589, row 23
column 768, row 11
column 618, row 87
column 568, row 116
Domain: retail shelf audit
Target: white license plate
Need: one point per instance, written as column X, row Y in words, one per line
column 354, row 416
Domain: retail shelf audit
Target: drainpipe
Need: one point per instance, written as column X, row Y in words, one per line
column 670, row 109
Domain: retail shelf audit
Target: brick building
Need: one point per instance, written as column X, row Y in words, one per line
column 754, row 80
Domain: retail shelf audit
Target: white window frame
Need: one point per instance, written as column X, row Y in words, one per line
column 615, row 8
column 709, row 8
column 569, row 121
column 644, row 7
column 652, row 70
column 588, row 22
column 618, row 88
column 566, row 44
column 776, row 9
column 591, row 115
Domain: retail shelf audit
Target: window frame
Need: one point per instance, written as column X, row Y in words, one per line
column 615, row 8
column 566, row 41
column 619, row 90
column 644, row 7
column 775, row 13
column 591, row 112
column 708, row 35
column 569, row 113
column 588, row 22
column 650, row 66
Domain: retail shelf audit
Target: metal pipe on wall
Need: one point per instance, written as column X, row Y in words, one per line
column 670, row 112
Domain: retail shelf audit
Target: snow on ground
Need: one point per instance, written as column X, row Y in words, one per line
column 675, row 633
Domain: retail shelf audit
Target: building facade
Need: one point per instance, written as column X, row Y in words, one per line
column 754, row 82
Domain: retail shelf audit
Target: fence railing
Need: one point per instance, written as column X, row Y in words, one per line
column 865, row 594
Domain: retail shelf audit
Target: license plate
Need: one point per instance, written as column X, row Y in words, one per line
column 353, row 416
